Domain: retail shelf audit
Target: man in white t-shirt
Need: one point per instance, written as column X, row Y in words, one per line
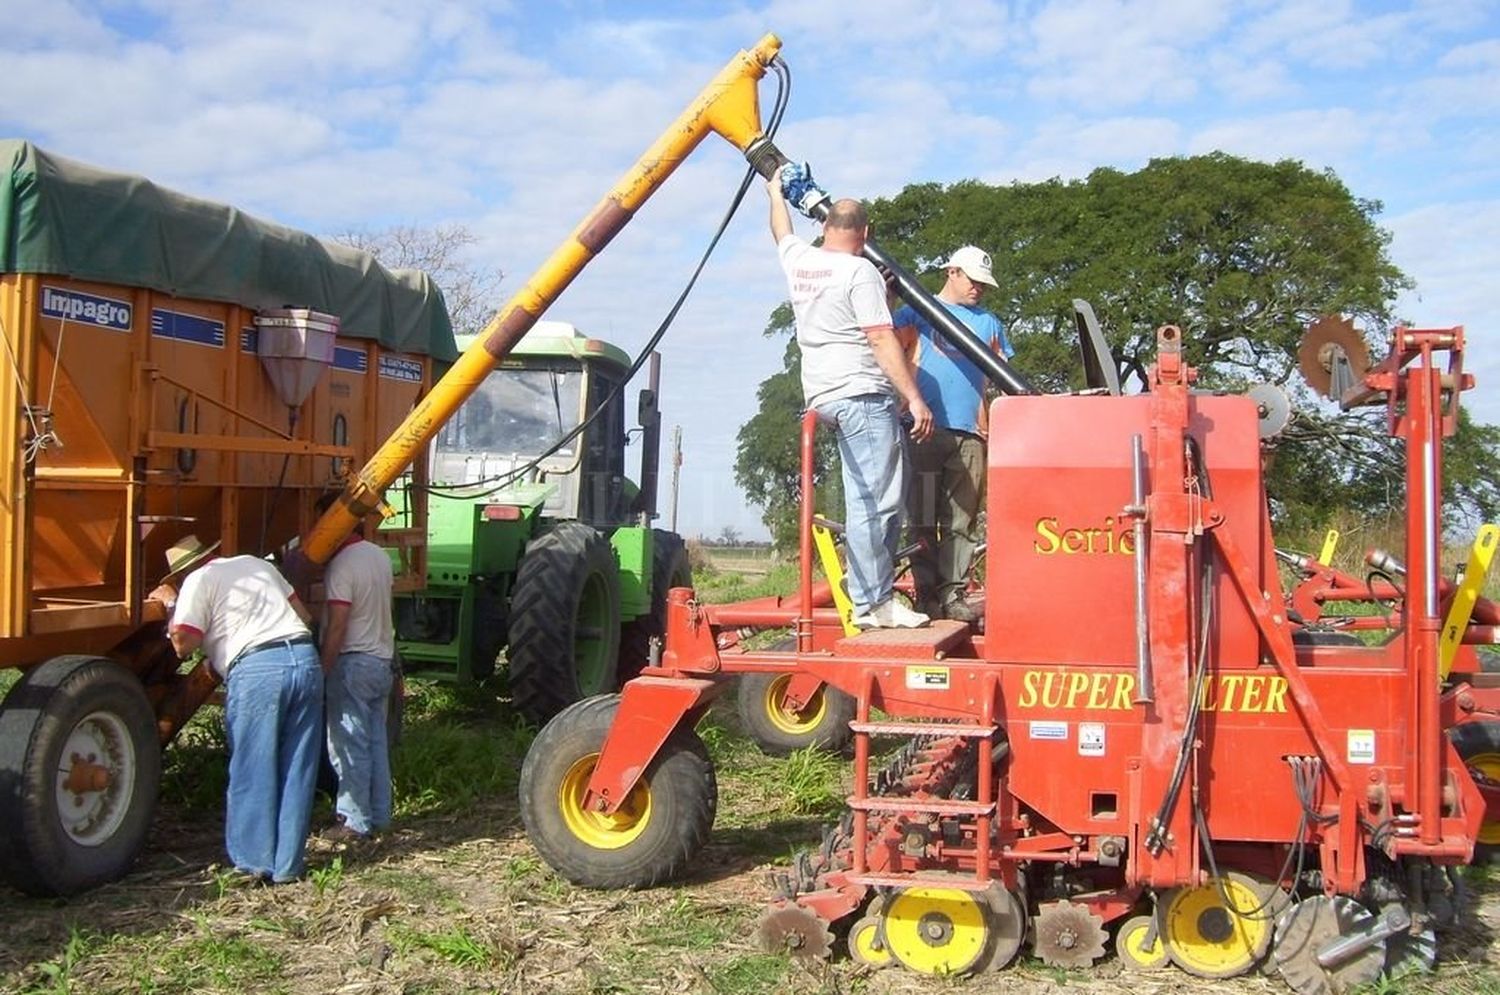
column 358, row 649
column 853, row 372
column 252, row 628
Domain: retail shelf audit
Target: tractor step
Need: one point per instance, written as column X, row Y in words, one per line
column 958, row 730
column 933, row 641
column 932, row 806
column 958, row 882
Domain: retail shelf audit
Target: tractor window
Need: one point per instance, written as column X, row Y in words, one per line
column 600, row 500
column 517, row 411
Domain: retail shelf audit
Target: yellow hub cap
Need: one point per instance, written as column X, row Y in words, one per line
column 788, row 721
column 1206, row 937
column 936, row 930
column 865, row 944
column 600, row 830
column 1487, row 764
column 1132, row 948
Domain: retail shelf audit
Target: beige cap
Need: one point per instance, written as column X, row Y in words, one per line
column 186, row 553
column 975, row 262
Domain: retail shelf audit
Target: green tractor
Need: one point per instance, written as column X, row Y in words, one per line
column 542, row 552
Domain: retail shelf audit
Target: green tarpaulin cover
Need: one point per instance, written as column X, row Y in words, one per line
column 63, row 217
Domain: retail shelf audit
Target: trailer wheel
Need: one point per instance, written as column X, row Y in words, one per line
column 1205, row 935
column 79, row 771
column 650, row 839
column 1478, row 743
column 669, row 568
column 564, row 622
column 823, row 724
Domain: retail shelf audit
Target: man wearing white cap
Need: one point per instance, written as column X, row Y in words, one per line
column 253, row 629
column 947, row 486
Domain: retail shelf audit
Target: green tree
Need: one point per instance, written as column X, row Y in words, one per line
column 1241, row 255
column 768, row 461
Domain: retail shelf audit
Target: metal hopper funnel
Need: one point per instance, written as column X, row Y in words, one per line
column 295, row 346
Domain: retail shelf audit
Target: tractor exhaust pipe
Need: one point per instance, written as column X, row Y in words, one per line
column 765, row 158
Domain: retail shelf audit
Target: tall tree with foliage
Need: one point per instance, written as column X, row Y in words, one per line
column 1242, row 255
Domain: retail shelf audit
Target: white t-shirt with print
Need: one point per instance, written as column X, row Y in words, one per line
column 835, row 296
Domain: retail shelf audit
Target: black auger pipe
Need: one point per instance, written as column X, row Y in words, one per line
column 766, row 159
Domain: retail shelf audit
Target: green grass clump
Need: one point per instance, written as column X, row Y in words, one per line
column 209, row 962
column 714, row 587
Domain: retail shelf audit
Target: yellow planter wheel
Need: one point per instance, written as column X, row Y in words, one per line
column 779, row 731
column 651, row 838
column 1132, row 949
column 936, row 930
column 1488, row 764
column 866, row 945
column 788, row 721
column 1205, row 937
column 1478, row 743
column 601, row 830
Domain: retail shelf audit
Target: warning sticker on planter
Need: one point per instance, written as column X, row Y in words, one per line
column 1049, row 730
column 1091, row 739
column 927, row 678
column 1361, row 746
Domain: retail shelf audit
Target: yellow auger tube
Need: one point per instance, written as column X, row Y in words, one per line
column 730, row 106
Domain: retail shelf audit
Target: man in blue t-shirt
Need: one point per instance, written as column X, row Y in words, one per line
column 947, row 485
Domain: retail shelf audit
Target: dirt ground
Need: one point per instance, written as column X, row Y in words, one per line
column 461, row 903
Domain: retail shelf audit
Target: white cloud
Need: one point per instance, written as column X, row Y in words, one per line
column 1324, row 137
column 1104, row 54
column 1452, row 253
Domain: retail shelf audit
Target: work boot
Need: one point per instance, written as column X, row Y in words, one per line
column 958, row 609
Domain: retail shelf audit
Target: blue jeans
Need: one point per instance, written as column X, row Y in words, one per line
column 358, row 691
column 872, row 448
column 272, row 712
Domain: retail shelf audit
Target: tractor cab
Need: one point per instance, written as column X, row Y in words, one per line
column 513, row 436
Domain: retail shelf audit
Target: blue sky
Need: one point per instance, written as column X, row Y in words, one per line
column 514, row 119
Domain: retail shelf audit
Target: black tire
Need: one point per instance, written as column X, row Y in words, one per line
column 62, row 706
column 677, row 793
column 824, row 724
column 669, row 568
column 564, row 622
column 1479, row 745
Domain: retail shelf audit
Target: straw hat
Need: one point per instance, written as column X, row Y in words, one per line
column 186, row 553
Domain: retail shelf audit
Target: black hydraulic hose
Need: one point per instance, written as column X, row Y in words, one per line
column 765, row 158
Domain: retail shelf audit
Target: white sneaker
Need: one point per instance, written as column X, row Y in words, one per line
column 901, row 617
column 890, row 614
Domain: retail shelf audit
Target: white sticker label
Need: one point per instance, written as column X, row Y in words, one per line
column 1091, row 739
column 926, row 678
column 1049, row 730
column 1361, row 746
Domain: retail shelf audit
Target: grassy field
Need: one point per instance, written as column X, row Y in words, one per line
column 454, row 899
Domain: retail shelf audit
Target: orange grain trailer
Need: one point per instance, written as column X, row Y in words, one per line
column 172, row 367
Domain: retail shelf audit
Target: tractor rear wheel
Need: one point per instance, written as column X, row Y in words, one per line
column 823, row 723
column 661, row 826
column 669, row 568
column 1478, row 743
column 79, row 771
column 564, row 621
